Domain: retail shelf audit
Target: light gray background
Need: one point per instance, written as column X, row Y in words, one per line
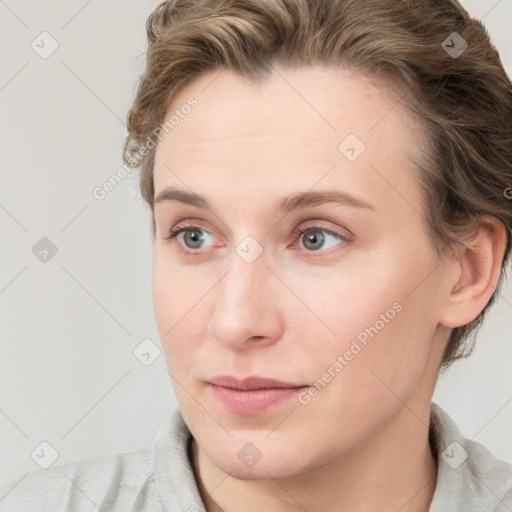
column 68, row 375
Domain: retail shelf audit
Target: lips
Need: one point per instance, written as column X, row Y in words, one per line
column 251, row 383
column 252, row 395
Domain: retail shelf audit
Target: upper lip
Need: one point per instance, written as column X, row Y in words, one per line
column 249, row 383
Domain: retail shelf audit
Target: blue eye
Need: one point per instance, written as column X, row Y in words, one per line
column 192, row 235
column 316, row 239
column 191, row 243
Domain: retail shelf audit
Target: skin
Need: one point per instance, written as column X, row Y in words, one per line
column 360, row 444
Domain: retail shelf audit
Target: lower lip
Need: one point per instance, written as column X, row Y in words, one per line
column 253, row 401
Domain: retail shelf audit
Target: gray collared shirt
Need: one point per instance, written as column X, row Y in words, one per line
column 160, row 478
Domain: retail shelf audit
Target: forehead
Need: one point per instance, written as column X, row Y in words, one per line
column 290, row 128
column 292, row 99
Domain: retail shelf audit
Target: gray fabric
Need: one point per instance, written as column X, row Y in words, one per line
column 159, row 477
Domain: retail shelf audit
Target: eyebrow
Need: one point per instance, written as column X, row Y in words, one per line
column 298, row 201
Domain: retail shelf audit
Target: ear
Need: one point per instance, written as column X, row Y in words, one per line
column 475, row 273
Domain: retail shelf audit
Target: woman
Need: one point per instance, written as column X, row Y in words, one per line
column 328, row 185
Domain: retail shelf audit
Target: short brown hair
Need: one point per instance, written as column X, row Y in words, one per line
column 462, row 95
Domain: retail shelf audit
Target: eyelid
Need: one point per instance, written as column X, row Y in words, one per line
column 180, row 227
column 299, row 230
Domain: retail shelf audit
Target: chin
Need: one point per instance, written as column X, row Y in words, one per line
column 262, row 471
column 259, row 460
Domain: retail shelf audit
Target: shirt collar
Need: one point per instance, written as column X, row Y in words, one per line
column 470, row 478
column 173, row 472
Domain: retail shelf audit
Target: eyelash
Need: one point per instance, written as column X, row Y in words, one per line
column 299, row 231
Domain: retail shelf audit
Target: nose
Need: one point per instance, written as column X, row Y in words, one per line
column 247, row 309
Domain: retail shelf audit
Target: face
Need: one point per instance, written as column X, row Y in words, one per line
column 336, row 297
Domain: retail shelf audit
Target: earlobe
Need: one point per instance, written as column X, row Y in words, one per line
column 476, row 273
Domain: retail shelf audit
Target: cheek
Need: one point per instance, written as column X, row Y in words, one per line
column 373, row 322
column 345, row 304
column 178, row 306
column 372, row 367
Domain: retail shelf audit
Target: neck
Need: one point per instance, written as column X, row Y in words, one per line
column 394, row 470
